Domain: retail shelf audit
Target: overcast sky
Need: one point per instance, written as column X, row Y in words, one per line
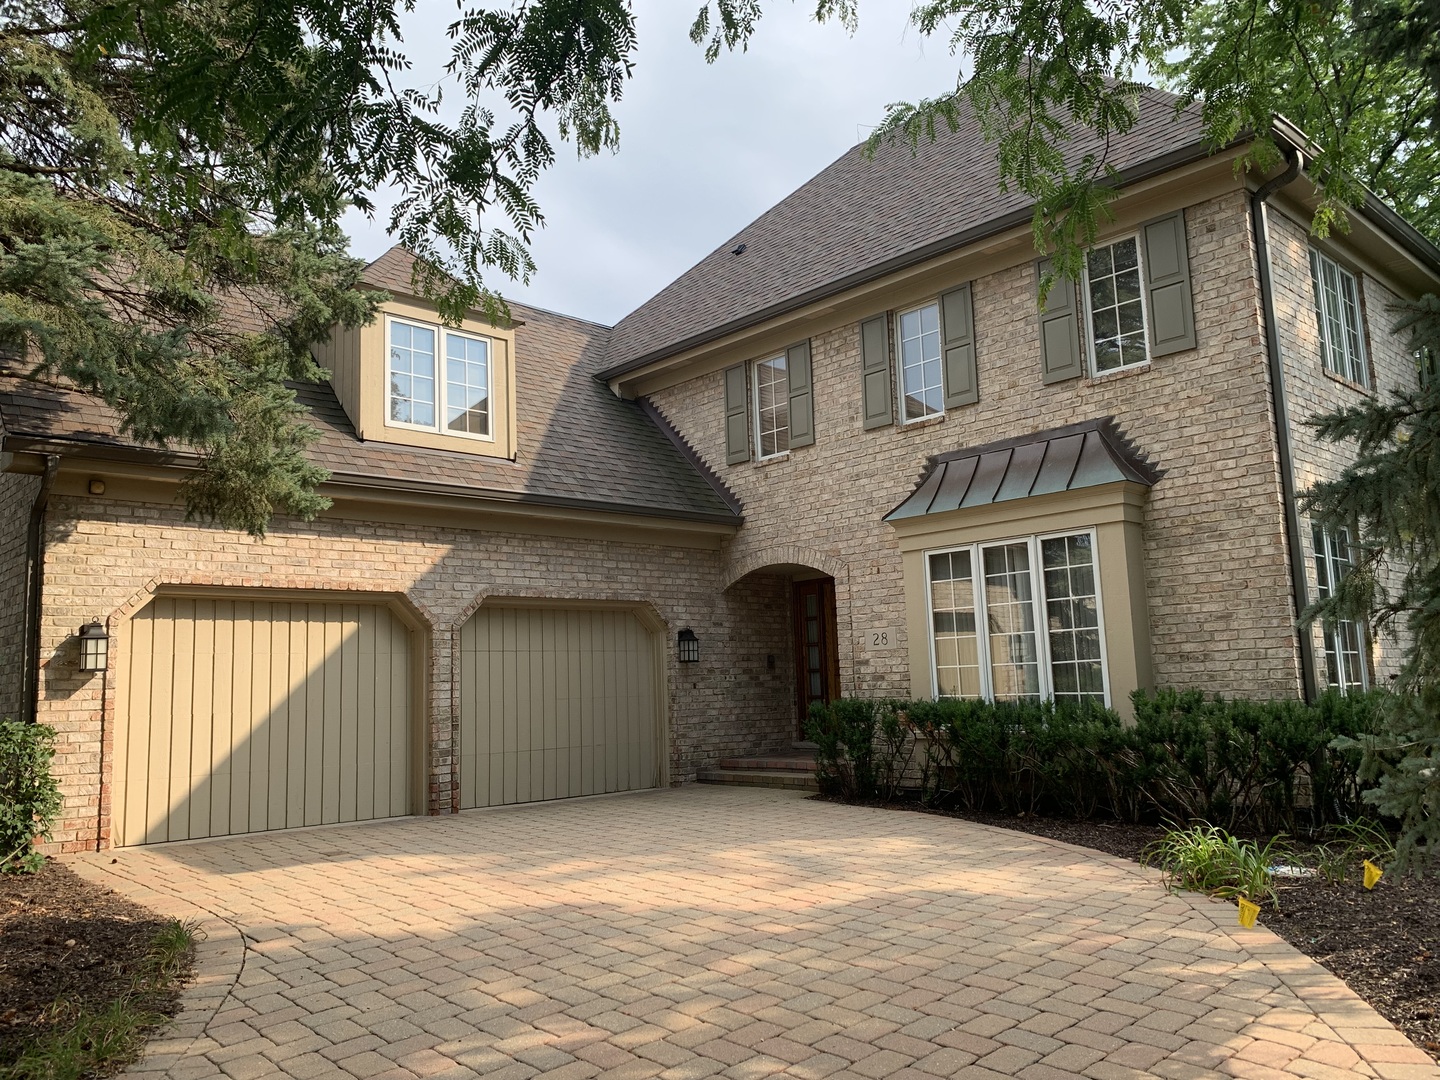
column 704, row 148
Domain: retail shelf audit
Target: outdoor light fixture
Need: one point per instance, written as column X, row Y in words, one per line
column 94, row 647
column 689, row 646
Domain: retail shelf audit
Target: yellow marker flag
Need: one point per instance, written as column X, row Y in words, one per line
column 1373, row 874
column 1248, row 912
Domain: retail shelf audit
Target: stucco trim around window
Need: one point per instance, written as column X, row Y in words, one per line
column 1113, row 513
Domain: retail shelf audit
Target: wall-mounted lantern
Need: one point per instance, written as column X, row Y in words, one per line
column 94, row 647
column 689, row 646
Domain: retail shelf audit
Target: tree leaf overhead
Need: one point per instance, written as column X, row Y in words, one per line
column 173, row 174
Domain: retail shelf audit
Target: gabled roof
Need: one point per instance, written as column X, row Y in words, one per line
column 862, row 217
column 1087, row 454
column 579, row 445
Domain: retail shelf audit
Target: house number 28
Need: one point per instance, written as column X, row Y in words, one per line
column 880, row 637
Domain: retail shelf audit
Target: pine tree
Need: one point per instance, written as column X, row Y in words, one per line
column 1390, row 498
column 163, row 161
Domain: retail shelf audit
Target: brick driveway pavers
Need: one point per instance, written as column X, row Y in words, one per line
column 730, row 932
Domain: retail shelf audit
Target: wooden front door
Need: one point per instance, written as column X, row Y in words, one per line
column 817, row 667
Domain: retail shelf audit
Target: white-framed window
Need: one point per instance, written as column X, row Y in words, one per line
column 1018, row 618
column 1344, row 638
column 772, row 407
column 1115, row 306
column 467, row 384
column 922, row 387
column 411, row 374
column 455, row 400
column 1337, row 311
column 1427, row 364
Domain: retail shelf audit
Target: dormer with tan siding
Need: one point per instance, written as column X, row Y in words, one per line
column 408, row 379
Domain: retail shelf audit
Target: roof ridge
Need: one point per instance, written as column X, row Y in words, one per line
column 850, row 221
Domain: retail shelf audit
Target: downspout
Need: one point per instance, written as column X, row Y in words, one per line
column 34, row 554
column 1298, row 587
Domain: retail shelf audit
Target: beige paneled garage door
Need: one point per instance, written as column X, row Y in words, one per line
column 554, row 703
column 238, row 716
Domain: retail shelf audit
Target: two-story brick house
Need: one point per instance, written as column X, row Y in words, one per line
column 846, row 453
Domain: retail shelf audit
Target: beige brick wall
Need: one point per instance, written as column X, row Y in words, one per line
column 1313, row 391
column 1220, row 604
column 17, row 495
column 105, row 557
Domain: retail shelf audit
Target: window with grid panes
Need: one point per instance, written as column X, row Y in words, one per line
column 1017, row 619
column 772, row 407
column 1344, row 638
column 1337, row 311
column 455, row 400
column 1115, row 306
column 922, row 386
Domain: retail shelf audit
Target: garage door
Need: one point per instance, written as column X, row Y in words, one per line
column 238, row 716
column 556, row 703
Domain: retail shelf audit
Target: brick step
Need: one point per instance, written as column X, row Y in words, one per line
column 772, row 762
column 774, row 778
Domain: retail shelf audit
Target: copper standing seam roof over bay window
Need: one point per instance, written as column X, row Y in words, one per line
column 1087, row 454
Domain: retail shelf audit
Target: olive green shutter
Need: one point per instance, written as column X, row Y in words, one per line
column 875, row 372
column 1060, row 356
column 1167, row 285
column 802, row 400
column 737, row 419
column 957, row 327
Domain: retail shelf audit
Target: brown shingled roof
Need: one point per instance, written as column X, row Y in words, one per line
column 579, row 445
column 861, row 217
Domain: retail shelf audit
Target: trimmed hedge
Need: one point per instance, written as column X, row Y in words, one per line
column 1262, row 765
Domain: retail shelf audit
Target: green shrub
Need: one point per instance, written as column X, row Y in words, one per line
column 1254, row 764
column 29, row 796
column 964, row 750
column 863, row 747
column 1265, row 766
column 1018, row 757
column 1204, row 858
column 1185, row 755
column 1077, row 757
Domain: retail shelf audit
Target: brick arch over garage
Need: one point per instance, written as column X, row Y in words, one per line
column 789, row 555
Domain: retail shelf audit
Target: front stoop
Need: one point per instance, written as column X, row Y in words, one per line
column 793, row 769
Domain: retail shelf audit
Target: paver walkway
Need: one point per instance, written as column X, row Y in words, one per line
column 729, row 931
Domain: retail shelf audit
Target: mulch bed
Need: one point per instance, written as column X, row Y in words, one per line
column 63, row 939
column 1383, row 944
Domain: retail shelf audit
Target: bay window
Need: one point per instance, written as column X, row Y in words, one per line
column 1017, row 619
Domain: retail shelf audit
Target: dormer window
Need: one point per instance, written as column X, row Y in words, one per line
column 455, row 401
